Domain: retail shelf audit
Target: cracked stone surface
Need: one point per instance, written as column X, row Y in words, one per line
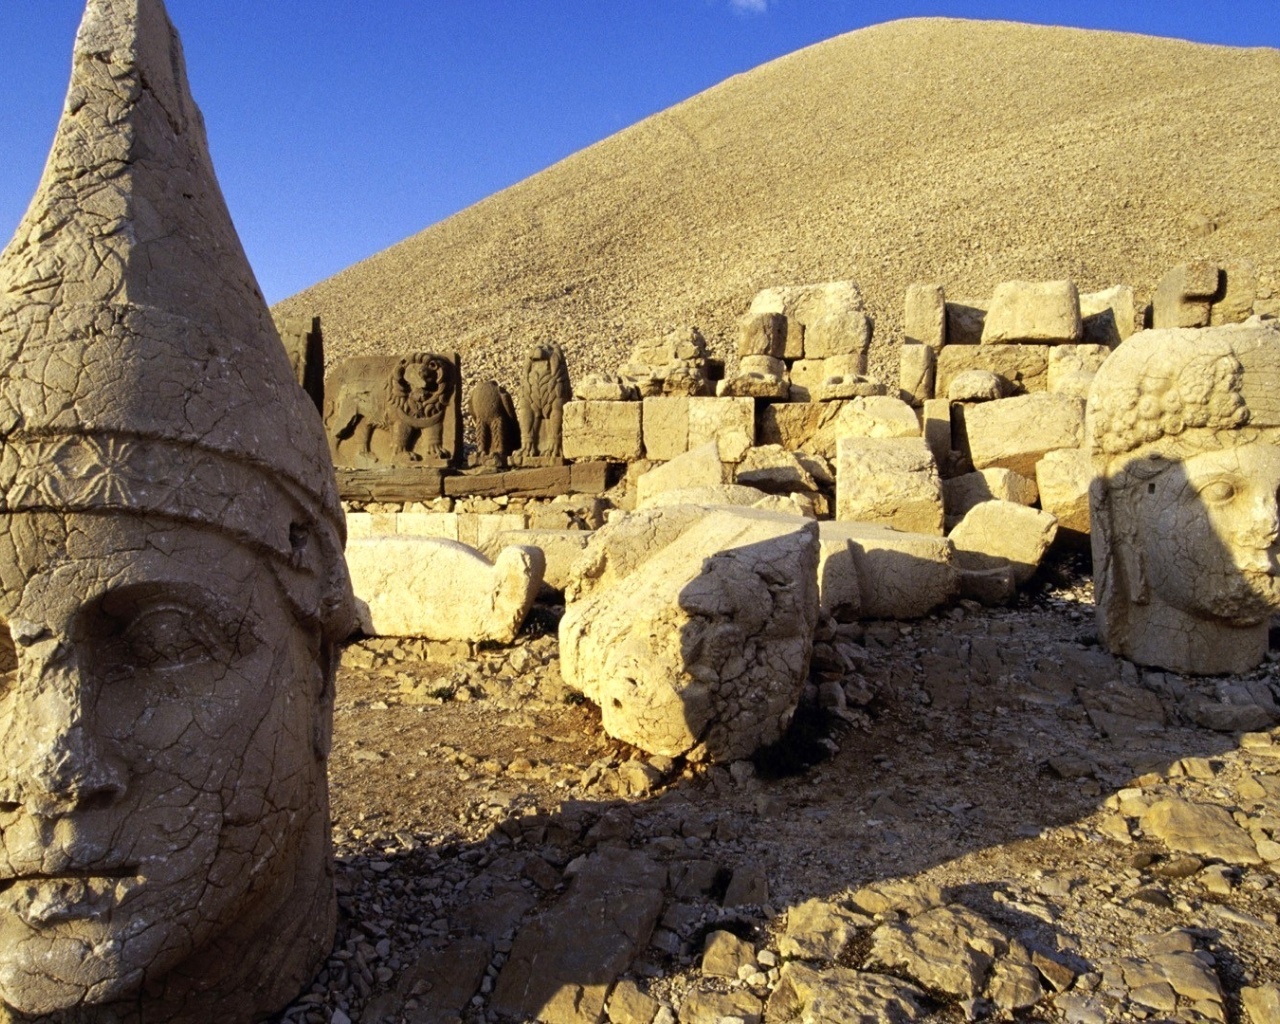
column 171, row 579
column 1182, row 425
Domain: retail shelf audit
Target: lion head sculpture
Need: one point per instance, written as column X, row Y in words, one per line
column 419, row 389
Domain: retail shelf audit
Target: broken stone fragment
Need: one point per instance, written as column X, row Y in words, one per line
column 1201, row 829
column 1016, row 433
column 976, row 386
column 698, row 467
column 925, row 319
column 820, row 930
column 874, row 572
column 1063, row 479
column 838, row 995
column 996, row 532
column 962, row 493
column 1184, row 296
column 817, row 427
column 889, row 482
column 951, row 949
column 1046, row 312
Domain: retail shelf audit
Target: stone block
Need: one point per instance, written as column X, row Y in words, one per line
column 1071, row 368
column 755, row 385
column 1109, row 316
column 815, row 427
column 996, row 533
column 966, row 319
column 917, row 365
column 1016, row 433
column 925, row 321
column 426, row 524
column 763, row 366
column 701, row 648
column 936, row 423
column 1025, row 368
column 810, row 302
column 889, row 481
column 763, row 335
column 1063, row 479
column 977, row 386
column 1043, row 312
column 962, row 493
column 806, row 374
column 774, row 469
column 698, row 467
column 603, row 430
column 1234, row 302
column 842, row 333
column 560, row 549
column 730, row 422
column 1184, row 297
column 844, row 366
column 666, row 427
column 442, row 590
column 873, row 572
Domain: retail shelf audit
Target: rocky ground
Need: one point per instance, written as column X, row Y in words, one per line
column 979, row 815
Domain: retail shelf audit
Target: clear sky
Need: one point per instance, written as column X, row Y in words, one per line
column 341, row 127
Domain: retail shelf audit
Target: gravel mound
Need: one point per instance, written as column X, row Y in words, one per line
column 959, row 151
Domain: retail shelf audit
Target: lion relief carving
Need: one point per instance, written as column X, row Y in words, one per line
column 544, row 391
column 408, row 398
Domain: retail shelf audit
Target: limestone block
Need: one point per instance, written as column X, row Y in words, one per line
column 806, row 374
column 962, row 493
column 1262, row 1003
column 603, row 430
column 703, row 647
column 666, row 427
column 936, row 424
column 815, row 427
column 444, row 525
column 917, row 365
column 698, row 467
column 560, row 549
column 1016, row 433
column 1025, row 368
column 477, row 529
column 763, row 335
column 599, row 387
column 998, row 532
column 774, row 469
column 925, row 321
column 1067, row 363
column 442, row 590
column 844, row 366
column 966, row 319
column 838, row 389
column 976, row 386
column 1063, row 478
column 755, row 385
column 621, row 545
column 873, row 572
column 843, row 333
column 1045, row 312
column 1109, row 316
column 992, row 586
column 764, row 366
column 810, row 302
column 736, row 496
column 730, row 422
column 795, row 340
column 1184, row 296
column 1238, row 294
column 889, row 481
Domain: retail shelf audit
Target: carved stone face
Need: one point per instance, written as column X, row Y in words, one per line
column 1210, row 534
column 161, row 752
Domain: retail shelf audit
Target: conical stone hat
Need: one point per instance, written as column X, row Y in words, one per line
column 139, row 366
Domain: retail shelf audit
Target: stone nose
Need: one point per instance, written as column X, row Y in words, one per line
column 53, row 760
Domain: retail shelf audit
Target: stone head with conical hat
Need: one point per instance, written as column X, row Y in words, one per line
column 172, row 584
column 1184, row 427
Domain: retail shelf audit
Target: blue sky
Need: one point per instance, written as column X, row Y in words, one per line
column 339, row 128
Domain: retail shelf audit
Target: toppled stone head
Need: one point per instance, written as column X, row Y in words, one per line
column 1183, row 426
column 172, row 586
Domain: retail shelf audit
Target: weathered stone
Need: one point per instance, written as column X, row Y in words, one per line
column 876, row 573
column 730, row 422
column 889, row 482
column 393, row 410
column 755, row 385
column 704, row 1004
column 1015, row 983
column 925, row 321
column 705, row 643
column 819, row 930
column 666, row 427
column 698, row 467
column 763, row 335
column 762, row 366
column 1068, row 364
column 172, row 575
column 845, row 334
column 442, row 590
column 725, row 954
column 1024, row 368
column 1063, row 479
column 303, row 340
column 560, row 549
column 497, row 427
column 838, row 995
column 1016, row 433
column 965, row 321
column 599, row 387
column 1201, row 829
column 895, row 896
column 734, row 496
column 994, row 532
column 916, row 370
column 773, row 469
column 1234, row 301
column 976, row 386
column 1184, row 296
column 628, row 1005
column 993, row 585
column 544, row 391
column 805, row 375
column 809, row 303
column 839, row 388
column 951, row 949
column 603, row 430
column 443, row 981
column 1183, row 428
column 815, row 427
column 935, row 420
column 962, row 493
column 1045, row 312
column 1262, row 1003
column 1109, row 316
column 1169, row 982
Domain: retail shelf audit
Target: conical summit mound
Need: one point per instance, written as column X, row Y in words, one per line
column 963, row 152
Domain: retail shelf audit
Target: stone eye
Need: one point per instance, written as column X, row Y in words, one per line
column 1218, row 491
column 171, row 637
